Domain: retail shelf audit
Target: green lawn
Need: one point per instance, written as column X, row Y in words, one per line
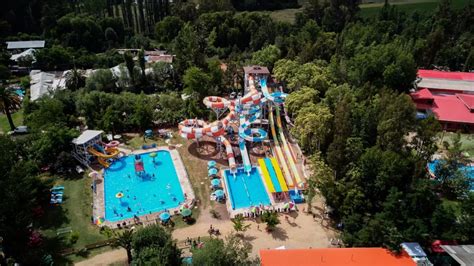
column 467, row 141
column 17, row 120
column 372, row 9
column 75, row 213
column 408, row 6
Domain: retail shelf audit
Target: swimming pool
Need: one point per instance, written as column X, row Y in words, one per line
column 158, row 189
column 246, row 190
column 468, row 170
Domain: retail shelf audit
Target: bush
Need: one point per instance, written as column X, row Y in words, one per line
column 73, row 237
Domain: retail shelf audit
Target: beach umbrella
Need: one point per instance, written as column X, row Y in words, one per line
column 215, row 182
column 99, row 220
column 153, row 155
column 212, row 172
column 186, row 212
column 219, row 193
column 286, row 205
column 253, row 209
column 165, row 216
column 211, row 164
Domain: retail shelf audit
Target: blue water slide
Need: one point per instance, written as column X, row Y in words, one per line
column 272, row 174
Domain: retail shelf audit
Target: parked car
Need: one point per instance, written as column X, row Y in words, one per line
column 19, row 130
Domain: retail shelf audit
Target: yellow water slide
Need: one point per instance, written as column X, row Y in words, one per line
column 289, row 155
column 103, row 157
column 266, row 175
column 279, row 153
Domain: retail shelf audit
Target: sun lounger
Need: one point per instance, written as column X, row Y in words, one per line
column 56, row 201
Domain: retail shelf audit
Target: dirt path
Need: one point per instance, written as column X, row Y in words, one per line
column 114, row 256
column 296, row 230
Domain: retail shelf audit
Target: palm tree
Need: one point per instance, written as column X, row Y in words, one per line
column 124, row 240
column 75, row 79
column 239, row 225
column 271, row 219
column 120, row 238
column 9, row 102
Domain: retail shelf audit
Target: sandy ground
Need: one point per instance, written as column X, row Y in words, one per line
column 299, row 230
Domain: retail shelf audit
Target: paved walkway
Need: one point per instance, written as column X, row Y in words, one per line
column 299, row 230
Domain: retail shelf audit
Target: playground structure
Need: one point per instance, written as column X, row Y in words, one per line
column 89, row 145
column 247, row 111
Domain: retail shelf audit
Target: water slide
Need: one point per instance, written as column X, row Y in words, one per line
column 279, row 174
column 266, row 175
column 278, row 150
column 248, row 110
column 288, row 153
column 103, row 155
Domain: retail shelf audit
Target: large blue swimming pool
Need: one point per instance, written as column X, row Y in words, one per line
column 468, row 170
column 246, row 190
column 158, row 189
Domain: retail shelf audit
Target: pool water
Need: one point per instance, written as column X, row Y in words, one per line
column 158, row 189
column 468, row 170
column 242, row 183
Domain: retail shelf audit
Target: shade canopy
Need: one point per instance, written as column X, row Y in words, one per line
column 219, row 193
column 211, row 164
column 165, row 216
column 186, row 212
column 215, row 182
column 212, row 171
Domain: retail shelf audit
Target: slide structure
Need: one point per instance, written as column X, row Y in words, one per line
column 288, row 163
column 103, row 154
column 288, row 153
column 278, row 150
column 246, row 109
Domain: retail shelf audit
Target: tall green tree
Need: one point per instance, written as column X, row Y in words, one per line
column 232, row 251
column 189, row 48
column 9, row 102
column 197, row 82
column 167, row 29
column 152, row 244
column 130, row 64
column 312, row 126
column 267, row 56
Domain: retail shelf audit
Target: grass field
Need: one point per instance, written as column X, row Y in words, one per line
column 408, row 6
column 17, row 120
column 75, row 213
column 467, row 141
column 372, row 9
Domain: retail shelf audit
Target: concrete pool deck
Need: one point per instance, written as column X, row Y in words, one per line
column 98, row 209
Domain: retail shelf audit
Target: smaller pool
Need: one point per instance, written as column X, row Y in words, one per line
column 246, row 190
column 468, row 170
column 20, row 92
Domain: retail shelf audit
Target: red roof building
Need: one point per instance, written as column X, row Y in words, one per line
column 334, row 257
column 449, row 96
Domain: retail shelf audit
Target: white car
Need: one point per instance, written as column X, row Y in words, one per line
column 19, row 130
